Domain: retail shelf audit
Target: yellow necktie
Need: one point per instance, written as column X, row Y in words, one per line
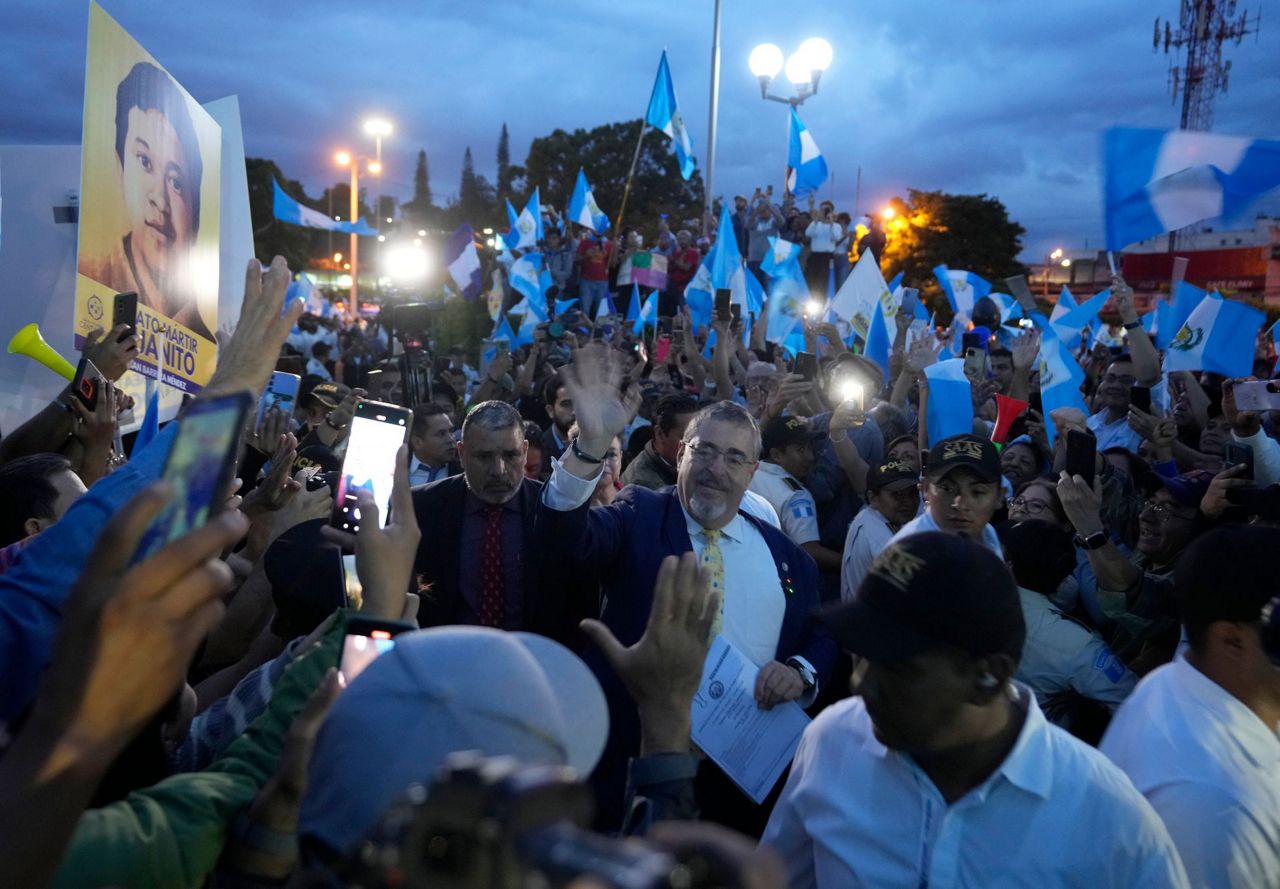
column 714, row 563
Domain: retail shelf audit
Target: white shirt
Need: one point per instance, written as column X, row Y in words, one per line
column 790, row 500
column 924, row 522
column 869, row 533
column 1118, row 434
column 420, row 473
column 1055, row 813
column 1061, row 655
column 755, row 505
column 316, row 367
column 823, row 236
column 754, row 604
column 1211, row 769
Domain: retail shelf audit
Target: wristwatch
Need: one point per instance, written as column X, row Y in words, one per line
column 1133, row 325
column 582, row 455
column 807, row 675
column 1096, row 540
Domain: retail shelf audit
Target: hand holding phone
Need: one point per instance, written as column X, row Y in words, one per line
column 377, row 432
column 124, row 310
column 87, row 384
column 1082, row 454
column 1140, row 397
column 807, row 366
column 1239, row 455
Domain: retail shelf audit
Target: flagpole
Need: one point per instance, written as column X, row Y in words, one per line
column 635, row 158
column 712, row 114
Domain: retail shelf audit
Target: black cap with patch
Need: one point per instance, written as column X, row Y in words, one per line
column 930, row 591
column 782, row 431
column 894, row 473
column 964, row 452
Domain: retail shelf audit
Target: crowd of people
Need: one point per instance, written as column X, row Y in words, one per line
column 1016, row 673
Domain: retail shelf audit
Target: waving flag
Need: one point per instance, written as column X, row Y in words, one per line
column 721, row 268
column 526, row 228
column 861, row 292
column 502, row 331
column 1070, row 323
column 526, row 279
column 962, row 288
column 564, row 305
column 648, row 313
column 463, row 262
column 286, row 209
column 787, row 298
column 583, row 208
column 1219, row 336
column 664, row 114
column 878, row 341
column 950, row 408
column 1161, row 180
column 1172, row 315
column 605, row 308
column 633, row 307
column 806, row 167
column 1060, row 376
column 782, row 260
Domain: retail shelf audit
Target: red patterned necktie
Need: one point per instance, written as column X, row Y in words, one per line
column 492, row 600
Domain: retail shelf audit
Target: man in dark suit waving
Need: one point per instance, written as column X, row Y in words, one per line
column 478, row 562
column 769, row 584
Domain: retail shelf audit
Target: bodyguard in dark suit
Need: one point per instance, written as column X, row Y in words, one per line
column 769, row 584
column 478, row 562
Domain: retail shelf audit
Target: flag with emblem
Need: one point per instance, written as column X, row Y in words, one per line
column 526, row 279
column 583, row 208
column 1060, row 376
column 806, row 167
column 526, row 228
column 1219, row 336
column 962, row 288
column 664, row 114
column 863, row 290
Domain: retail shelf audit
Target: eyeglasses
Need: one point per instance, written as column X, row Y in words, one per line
column 705, row 454
column 1035, row 507
column 1116, row 378
column 1164, row 511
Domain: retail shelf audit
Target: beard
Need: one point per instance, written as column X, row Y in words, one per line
column 708, row 508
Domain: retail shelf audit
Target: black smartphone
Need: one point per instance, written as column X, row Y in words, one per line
column 200, row 467
column 1082, row 452
column 365, row 641
column 124, row 310
column 87, row 383
column 736, row 311
column 970, row 341
column 1237, row 454
column 377, row 431
column 807, row 366
column 664, row 325
column 975, row 362
column 1140, row 397
column 724, row 298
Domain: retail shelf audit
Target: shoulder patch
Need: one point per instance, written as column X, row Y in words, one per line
column 1109, row 664
column 792, row 483
column 802, row 509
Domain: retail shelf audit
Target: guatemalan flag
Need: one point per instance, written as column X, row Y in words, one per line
column 806, row 167
column 286, row 209
column 782, row 260
column 583, row 208
column 1219, row 337
column 648, row 314
column 664, row 114
column 527, row 281
column 950, row 408
column 463, row 262
column 1161, row 180
column 1060, row 376
column 1069, row 323
column 962, row 288
column 526, row 228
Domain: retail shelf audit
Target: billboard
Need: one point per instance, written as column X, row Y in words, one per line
column 150, row 203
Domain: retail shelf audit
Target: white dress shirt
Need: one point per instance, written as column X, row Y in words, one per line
column 823, row 236
column 869, row 533
column 1117, row 434
column 790, row 499
column 420, row 473
column 1055, row 813
column 1211, row 769
column 924, row 522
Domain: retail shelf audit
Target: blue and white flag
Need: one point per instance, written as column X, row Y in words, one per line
column 878, row 341
column 1060, row 376
column 755, row 294
column 950, row 408
column 463, row 262
column 583, row 208
column 502, row 331
column 1171, row 315
column 605, row 308
column 806, row 167
column 1219, row 336
column 721, row 268
column 633, row 307
column 664, row 114
column 526, row 279
column 1162, row 180
column 526, row 228
column 962, row 288
column 782, row 259
column 648, row 314
column 1068, row 324
column 564, row 305
column 862, row 291
column 313, row 301
column 286, row 209
column 787, row 299
column 150, row 427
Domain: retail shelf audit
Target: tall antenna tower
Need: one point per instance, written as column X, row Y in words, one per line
column 1203, row 26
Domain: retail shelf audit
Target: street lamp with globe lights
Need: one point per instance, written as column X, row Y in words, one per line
column 1049, row 261
column 347, row 159
column 803, row 68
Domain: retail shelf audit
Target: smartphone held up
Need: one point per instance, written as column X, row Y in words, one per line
column 377, row 432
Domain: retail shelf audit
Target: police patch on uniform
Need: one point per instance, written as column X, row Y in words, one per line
column 1110, row 665
column 802, row 509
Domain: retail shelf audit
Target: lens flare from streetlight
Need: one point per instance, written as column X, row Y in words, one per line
column 375, row 168
column 1066, row 263
column 888, row 213
column 406, row 264
column 342, row 158
column 1056, row 254
column 377, row 127
column 798, row 70
column 812, row 308
column 817, row 52
column 765, row 61
column 337, row 257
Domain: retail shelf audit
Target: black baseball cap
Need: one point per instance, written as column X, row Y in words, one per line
column 929, row 591
column 306, row 577
column 964, row 451
column 783, row 431
column 894, row 474
column 1227, row 574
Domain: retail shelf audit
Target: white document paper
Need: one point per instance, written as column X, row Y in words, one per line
column 752, row 746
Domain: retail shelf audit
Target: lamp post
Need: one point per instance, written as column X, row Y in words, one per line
column 1049, row 260
column 803, row 68
column 347, row 159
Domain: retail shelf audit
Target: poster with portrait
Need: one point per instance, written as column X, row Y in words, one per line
column 149, row 208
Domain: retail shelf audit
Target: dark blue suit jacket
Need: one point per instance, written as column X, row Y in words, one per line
column 624, row 543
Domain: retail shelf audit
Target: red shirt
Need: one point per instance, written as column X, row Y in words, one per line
column 678, row 277
column 594, row 256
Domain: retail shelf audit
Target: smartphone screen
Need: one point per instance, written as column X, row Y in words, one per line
column 662, row 349
column 1237, row 454
column 807, row 365
column 1259, row 395
column 975, row 362
column 1082, row 449
column 723, row 300
column 125, row 311
column 281, row 392
column 1140, row 397
column 377, row 431
column 201, row 464
column 87, row 383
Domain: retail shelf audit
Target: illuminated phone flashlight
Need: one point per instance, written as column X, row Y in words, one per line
column 1026, row 323
column 812, row 309
column 848, row 390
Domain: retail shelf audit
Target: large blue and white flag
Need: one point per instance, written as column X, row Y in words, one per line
column 787, row 299
column 1060, row 376
column 526, row 228
column 1219, row 336
column 286, row 209
column 463, row 262
column 526, row 279
column 564, row 305
column 962, row 288
column 1069, row 323
column 583, row 208
column 1162, row 180
column 861, row 292
column 664, row 114
column 950, row 408
column 1172, row 314
column 782, row 259
column 806, row 167
column 721, row 268
column 878, row 341
column 648, row 314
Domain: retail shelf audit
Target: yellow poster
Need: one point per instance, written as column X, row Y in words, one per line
column 149, row 193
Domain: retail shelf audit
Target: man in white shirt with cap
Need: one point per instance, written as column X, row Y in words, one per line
column 786, row 459
column 962, row 491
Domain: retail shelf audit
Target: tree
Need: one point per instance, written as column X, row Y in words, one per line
column 504, row 164
column 421, row 209
column 972, row 232
column 476, row 202
column 605, row 153
column 270, row 237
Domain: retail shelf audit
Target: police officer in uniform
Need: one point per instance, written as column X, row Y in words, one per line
column 786, row 459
